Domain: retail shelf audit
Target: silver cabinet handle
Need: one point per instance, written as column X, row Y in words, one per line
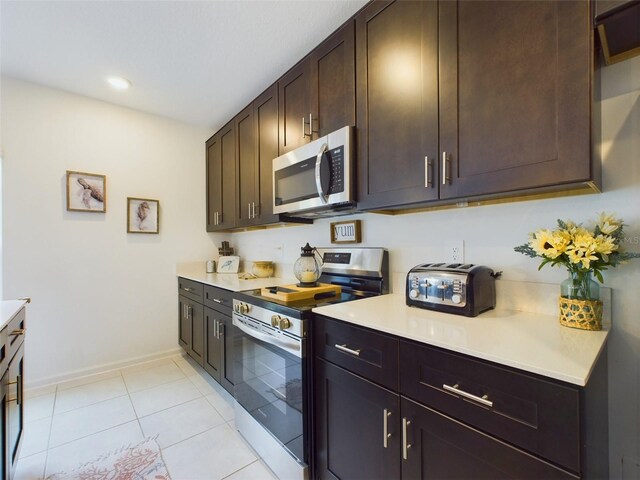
column 217, row 329
column 405, row 445
column 215, row 218
column 385, row 427
column 304, row 129
column 18, row 331
column 249, row 210
column 186, row 289
column 345, row 349
column 189, row 310
column 217, row 300
column 484, row 400
column 428, row 182
column 253, row 206
column 321, row 193
column 445, row 171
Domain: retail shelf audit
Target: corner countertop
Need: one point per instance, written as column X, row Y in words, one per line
column 228, row 281
column 9, row 309
column 532, row 342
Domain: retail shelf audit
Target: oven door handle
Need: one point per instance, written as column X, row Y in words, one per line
column 323, row 192
column 292, row 347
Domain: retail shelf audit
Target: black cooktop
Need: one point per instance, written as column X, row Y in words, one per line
column 295, row 309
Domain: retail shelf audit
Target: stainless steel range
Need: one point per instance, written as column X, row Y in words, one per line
column 273, row 362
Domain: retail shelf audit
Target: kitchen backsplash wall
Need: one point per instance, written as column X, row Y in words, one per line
column 101, row 297
column 491, row 232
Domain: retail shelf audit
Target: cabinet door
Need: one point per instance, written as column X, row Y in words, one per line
column 15, row 410
column 228, row 340
column 247, row 168
column 294, row 92
column 265, row 109
column 397, row 103
column 4, row 390
column 221, row 179
column 333, row 73
column 196, row 313
column 440, row 447
column 350, row 417
column 213, row 349
column 214, row 181
column 515, row 95
column 184, row 323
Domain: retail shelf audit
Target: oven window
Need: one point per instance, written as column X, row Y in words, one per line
column 270, row 388
column 296, row 182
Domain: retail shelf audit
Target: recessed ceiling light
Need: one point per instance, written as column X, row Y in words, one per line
column 119, row 83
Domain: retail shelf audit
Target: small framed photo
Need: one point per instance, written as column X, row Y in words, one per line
column 142, row 215
column 228, row 264
column 86, row 192
column 346, row 232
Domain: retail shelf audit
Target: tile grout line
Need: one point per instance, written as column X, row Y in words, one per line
column 46, row 452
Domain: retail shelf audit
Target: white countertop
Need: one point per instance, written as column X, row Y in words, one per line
column 228, row 281
column 532, row 342
column 9, row 309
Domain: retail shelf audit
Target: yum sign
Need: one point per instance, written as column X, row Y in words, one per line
column 346, row 232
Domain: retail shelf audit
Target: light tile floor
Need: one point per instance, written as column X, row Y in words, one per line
column 172, row 398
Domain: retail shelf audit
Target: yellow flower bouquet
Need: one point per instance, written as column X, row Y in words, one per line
column 582, row 252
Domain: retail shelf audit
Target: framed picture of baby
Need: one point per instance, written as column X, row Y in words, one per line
column 86, row 192
column 142, row 215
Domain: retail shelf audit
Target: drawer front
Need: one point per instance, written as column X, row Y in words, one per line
column 218, row 299
column 371, row 355
column 537, row 415
column 190, row 289
column 16, row 330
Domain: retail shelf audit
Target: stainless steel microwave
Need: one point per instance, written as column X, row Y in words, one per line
column 316, row 180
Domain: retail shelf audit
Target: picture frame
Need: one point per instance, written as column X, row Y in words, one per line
column 349, row 231
column 86, row 192
column 228, row 264
column 143, row 215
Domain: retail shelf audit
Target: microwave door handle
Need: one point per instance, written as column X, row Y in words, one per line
column 324, row 196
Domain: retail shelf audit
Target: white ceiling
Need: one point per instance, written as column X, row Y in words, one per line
column 198, row 62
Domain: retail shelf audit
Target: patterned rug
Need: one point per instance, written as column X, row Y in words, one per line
column 138, row 462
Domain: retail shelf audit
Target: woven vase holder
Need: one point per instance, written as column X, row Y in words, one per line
column 583, row 314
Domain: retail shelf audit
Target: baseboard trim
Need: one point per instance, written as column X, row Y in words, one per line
column 98, row 369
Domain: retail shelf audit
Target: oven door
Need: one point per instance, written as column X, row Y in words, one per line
column 270, row 383
column 315, row 175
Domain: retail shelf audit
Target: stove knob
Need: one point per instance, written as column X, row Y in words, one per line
column 413, row 293
column 275, row 320
column 456, row 298
column 285, row 323
column 244, row 308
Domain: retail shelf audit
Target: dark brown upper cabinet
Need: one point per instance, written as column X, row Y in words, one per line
column 515, row 96
column 473, row 100
column 397, row 103
column 257, row 146
column 618, row 24
column 221, row 179
column 248, row 188
column 317, row 96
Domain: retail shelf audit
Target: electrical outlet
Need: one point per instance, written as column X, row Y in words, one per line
column 455, row 251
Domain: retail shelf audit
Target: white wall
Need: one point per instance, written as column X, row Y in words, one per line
column 491, row 232
column 100, row 296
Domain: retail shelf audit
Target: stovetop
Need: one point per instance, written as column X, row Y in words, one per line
column 297, row 309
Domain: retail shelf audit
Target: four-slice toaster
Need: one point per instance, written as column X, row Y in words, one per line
column 463, row 289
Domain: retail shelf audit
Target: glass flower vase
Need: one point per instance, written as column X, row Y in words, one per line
column 580, row 305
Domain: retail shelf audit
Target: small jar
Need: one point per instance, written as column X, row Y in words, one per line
column 211, row 266
column 262, row 269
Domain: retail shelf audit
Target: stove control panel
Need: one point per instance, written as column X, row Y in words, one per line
column 278, row 321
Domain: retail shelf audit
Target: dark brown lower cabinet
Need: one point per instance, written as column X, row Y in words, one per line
column 213, row 354
column 440, row 447
column 351, row 413
column 498, row 427
column 218, row 359
column 206, row 331
column 14, row 410
column 191, row 328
